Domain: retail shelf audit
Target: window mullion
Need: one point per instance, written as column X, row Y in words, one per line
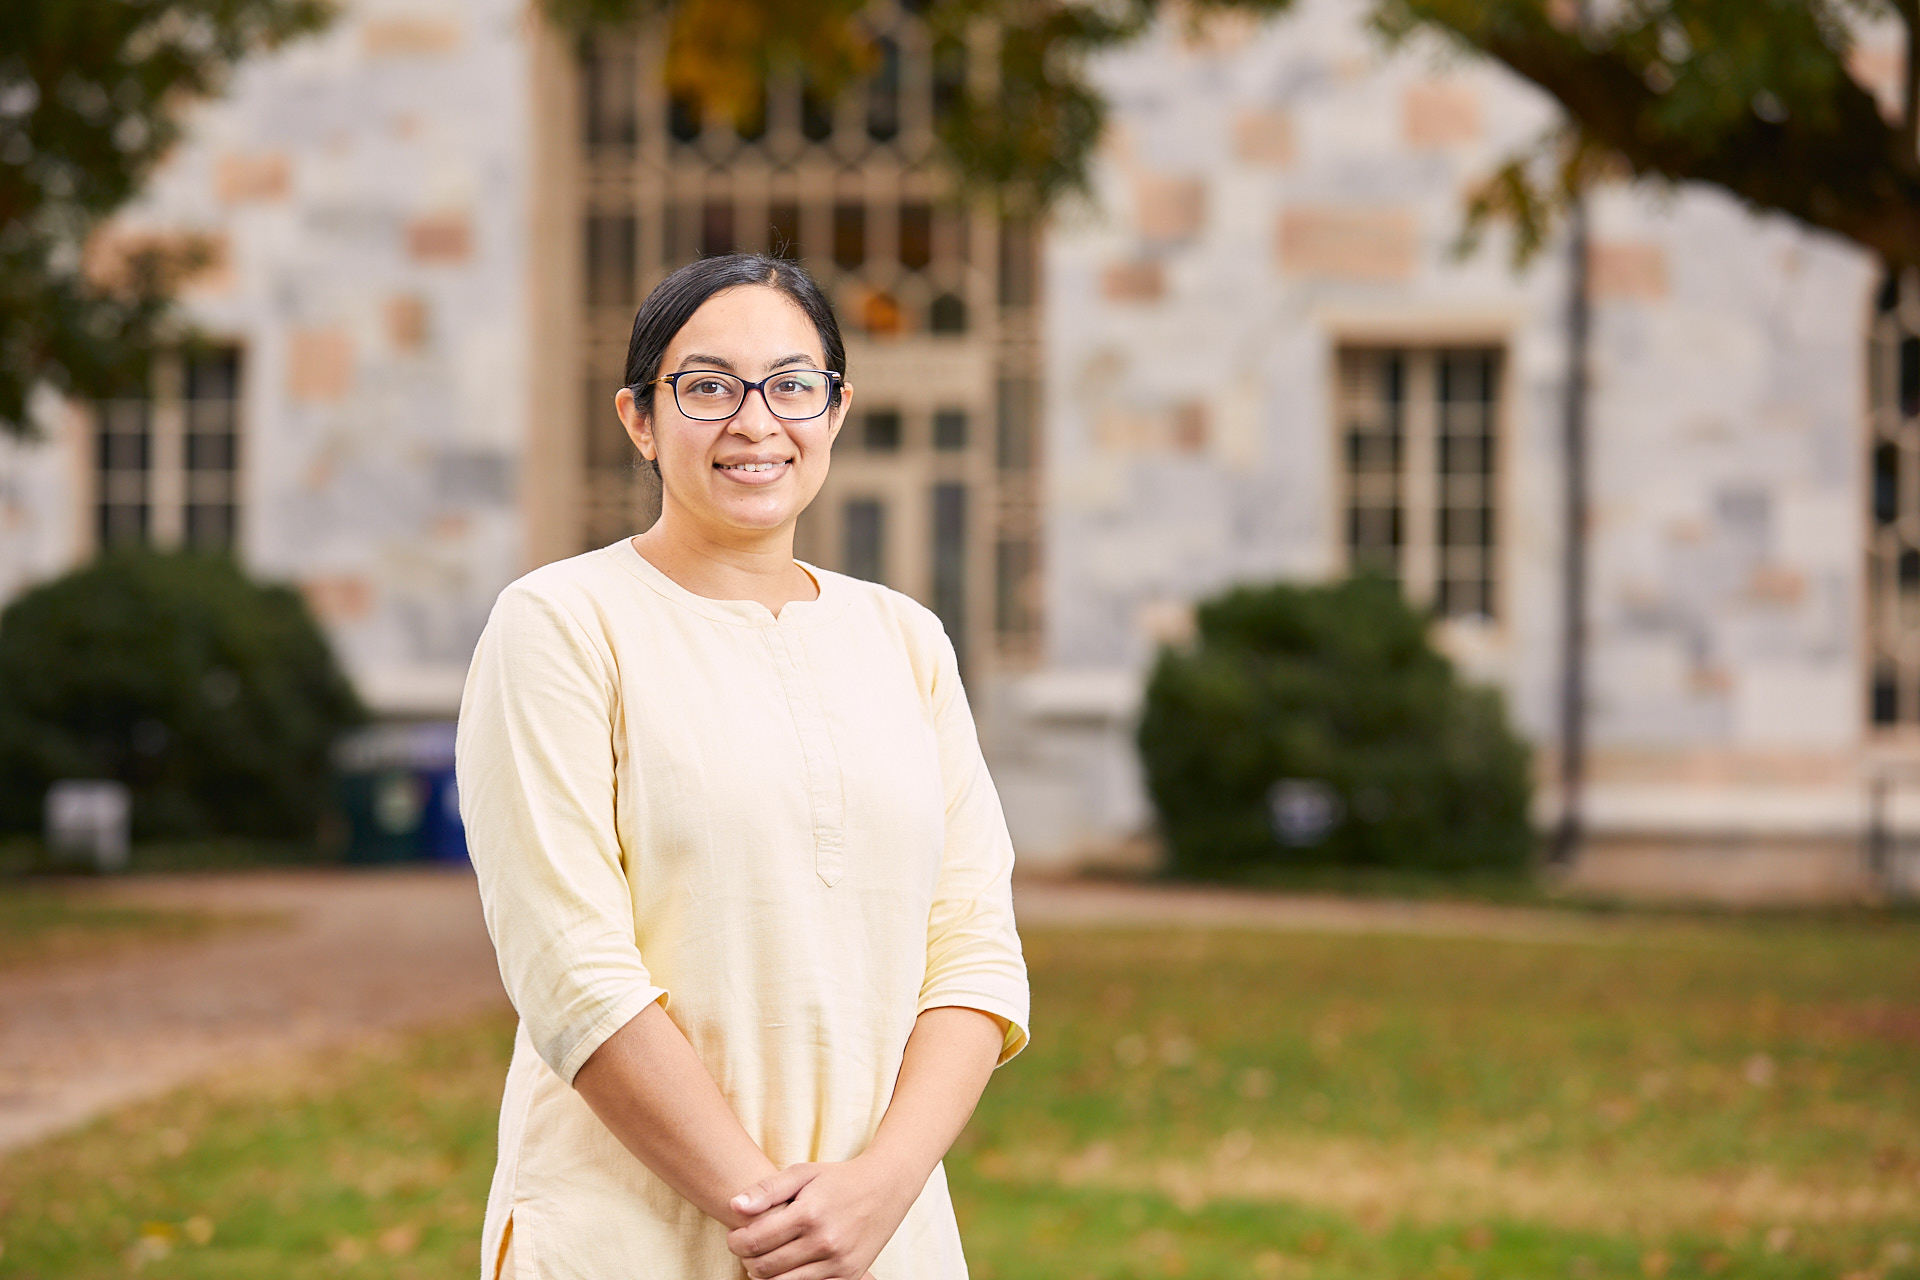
column 1419, row 558
column 167, row 474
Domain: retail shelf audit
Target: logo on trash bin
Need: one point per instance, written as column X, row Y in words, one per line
column 1303, row 811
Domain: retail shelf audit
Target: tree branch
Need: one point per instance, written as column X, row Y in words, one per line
column 1832, row 161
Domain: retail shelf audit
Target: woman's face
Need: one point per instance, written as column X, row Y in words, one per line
column 752, row 473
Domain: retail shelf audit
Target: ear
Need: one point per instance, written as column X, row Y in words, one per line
column 837, row 417
column 639, row 426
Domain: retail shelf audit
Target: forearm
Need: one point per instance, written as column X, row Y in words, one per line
column 945, row 1068
column 649, row 1087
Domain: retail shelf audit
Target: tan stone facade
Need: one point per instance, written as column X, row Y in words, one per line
column 1254, row 353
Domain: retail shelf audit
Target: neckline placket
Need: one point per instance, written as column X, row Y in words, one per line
column 825, row 793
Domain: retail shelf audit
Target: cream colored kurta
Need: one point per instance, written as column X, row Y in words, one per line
column 780, row 828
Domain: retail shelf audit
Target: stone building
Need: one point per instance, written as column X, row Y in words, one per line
column 1252, row 353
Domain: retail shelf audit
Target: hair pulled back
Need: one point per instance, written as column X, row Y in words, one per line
column 675, row 299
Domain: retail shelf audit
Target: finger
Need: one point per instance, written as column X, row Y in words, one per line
column 776, row 1188
column 779, row 1225
column 800, row 1259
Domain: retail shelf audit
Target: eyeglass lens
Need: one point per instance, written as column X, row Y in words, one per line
column 708, row 396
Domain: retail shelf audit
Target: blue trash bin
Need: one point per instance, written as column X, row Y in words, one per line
column 396, row 786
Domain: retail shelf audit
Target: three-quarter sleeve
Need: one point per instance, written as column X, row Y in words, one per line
column 973, row 951
column 536, row 769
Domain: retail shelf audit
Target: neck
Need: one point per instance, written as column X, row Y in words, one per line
column 758, row 567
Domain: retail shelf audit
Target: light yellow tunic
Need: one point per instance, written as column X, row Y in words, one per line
column 781, row 828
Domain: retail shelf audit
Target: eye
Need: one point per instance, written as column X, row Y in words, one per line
column 708, row 388
column 791, row 386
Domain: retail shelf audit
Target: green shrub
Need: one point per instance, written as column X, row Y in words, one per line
column 1338, row 688
column 215, row 699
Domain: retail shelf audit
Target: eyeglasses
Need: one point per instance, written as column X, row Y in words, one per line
column 792, row 395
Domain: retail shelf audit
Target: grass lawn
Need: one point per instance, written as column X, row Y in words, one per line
column 1693, row 1098
column 42, row 923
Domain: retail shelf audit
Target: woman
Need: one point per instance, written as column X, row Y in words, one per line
column 742, row 863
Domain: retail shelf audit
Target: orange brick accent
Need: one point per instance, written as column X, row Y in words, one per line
column 406, row 322
column 1181, row 430
column 440, row 237
column 1169, row 208
column 1440, row 113
column 319, row 365
column 1630, row 271
column 1776, row 584
column 240, row 179
column 1133, row 282
column 1264, row 137
column 338, row 599
column 1348, row 244
column 115, row 258
column 1190, row 427
column 409, row 37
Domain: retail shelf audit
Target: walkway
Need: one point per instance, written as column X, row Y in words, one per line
column 355, row 954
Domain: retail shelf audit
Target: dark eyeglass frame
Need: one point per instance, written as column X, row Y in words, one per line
column 834, row 381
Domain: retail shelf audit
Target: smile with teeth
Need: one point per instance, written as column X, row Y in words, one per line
column 751, row 466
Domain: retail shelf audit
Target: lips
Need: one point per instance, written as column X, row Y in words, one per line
column 754, row 471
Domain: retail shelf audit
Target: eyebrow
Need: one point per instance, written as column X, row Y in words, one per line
column 697, row 360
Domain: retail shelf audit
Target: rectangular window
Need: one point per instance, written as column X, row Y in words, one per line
column 166, row 466
column 950, row 561
column 849, row 236
column 212, row 449
column 880, row 431
column 123, row 461
column 1013, row 443
column 609, row 92
column 865, row 532
column 883, row 93
column 950, row 430
column 716, row 228
column 1018, row 265
column 1419, row 447
column 611, row 245
column 783, row 238
column 1464, row 572
column 916, row 236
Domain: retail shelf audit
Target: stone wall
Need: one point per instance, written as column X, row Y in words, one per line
column 365, row 196
column 1269, row 193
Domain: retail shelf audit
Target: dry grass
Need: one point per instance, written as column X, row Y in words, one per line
column 1718, row 1099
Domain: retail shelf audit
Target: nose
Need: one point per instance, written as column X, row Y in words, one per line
column 755, row 422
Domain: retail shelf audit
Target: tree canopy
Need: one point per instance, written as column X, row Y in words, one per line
column 92, row 95
column 1767, row 100
column 1763, row 99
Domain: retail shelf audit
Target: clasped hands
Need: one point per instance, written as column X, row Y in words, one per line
column 824, row 1221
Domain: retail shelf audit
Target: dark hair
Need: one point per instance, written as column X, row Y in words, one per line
column 675, row 299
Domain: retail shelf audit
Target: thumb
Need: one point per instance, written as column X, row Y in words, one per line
column 777, row 1188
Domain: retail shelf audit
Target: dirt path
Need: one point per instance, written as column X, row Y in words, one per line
column 363, row 953
column 357, row 954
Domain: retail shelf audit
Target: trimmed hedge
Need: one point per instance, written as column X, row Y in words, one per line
column 1340, row 689
column 214, row 698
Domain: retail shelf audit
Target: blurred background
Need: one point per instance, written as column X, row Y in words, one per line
column 1374, row 447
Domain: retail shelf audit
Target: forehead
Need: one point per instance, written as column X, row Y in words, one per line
column 748, row 324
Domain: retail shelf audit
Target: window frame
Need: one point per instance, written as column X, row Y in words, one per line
column 1430, row 338
column 173, row 487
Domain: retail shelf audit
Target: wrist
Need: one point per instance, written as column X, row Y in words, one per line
column 896, row 1173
